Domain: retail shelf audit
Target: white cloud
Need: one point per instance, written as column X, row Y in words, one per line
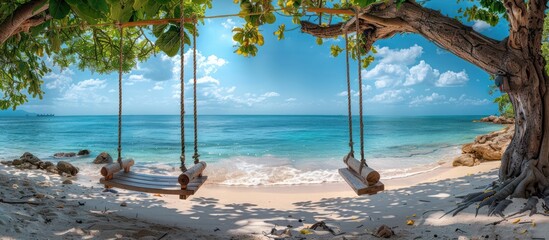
column 291, row 100
column 365, row 88
column 231, row 89
column 158, row 86
column 112, row 90
column 211, row 64
column 420, row 73
column 344, row 93
column 137, row 78
column 464, row 100
column 381, row 83
column 205, row 65
column 386, row 74
column 85, row 91
column 400, row 67
column 434, row 98
column 393, row 67
column 480, row 25
column 401, row 56
column 228, row 24
column 60, row 80
column 270, row 94
column 216, row 93
column 391, row 96
column 204, row 80
column 450, row 78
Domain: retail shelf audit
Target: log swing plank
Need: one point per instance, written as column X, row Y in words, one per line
column 114, row 177
column 357, row 185
column 127, row 181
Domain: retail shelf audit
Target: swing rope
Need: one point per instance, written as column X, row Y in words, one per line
column 195, row 156
column 349, row 94
column 182, row 87
column 357, row 24
column 120, row 61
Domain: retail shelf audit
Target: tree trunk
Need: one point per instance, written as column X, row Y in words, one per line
column 527, row 156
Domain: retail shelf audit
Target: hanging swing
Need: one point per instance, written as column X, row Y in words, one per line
column 190, row 180
column 361, row 178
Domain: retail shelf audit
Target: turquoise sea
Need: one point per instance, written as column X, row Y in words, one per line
column 248, row 150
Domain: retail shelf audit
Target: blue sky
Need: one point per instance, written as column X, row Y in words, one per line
column 410, row 76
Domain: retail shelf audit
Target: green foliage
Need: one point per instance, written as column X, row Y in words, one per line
column 489, row 11
column 335, row 50
column 59, row 9
column 280, row 32
column 505, row 107
column 248, row 37
column 169, row 41
column 22, row 69
column 68, row 40
column 545, row 43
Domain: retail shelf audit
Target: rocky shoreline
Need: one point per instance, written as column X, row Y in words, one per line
column 487, row 147
column 498, row 120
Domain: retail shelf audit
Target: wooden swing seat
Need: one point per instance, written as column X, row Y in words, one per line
column 185, row 185
column 358, row 185
column 362, row 179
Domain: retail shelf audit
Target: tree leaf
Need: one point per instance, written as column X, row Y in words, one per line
column 59, row 9
column 168, row 42
column 159, row 29
column 121, row 11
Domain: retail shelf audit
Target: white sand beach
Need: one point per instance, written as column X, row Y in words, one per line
column 83, row 211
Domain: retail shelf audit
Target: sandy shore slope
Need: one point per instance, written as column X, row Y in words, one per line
column 83, row 211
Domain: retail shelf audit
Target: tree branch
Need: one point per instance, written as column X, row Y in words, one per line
column 26, row 11
column 386, row 20
column 32, row 22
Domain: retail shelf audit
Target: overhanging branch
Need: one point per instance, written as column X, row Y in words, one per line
column 386, row 19
column 13, row 23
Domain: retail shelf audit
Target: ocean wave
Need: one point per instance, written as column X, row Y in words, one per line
column 397, row 173
column 267, row 171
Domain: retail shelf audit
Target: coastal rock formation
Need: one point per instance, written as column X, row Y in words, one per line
column 84, row 152
column 498, row 120
column 28, row 157
column 488, row 147
column 65, row 167
column 466, row 159
column 103, row 158
column 64, row 155
column 29, row 161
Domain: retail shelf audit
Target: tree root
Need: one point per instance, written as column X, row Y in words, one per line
column 500, row 207
column 530, row 205
column 530, row 183
column 466, row 203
